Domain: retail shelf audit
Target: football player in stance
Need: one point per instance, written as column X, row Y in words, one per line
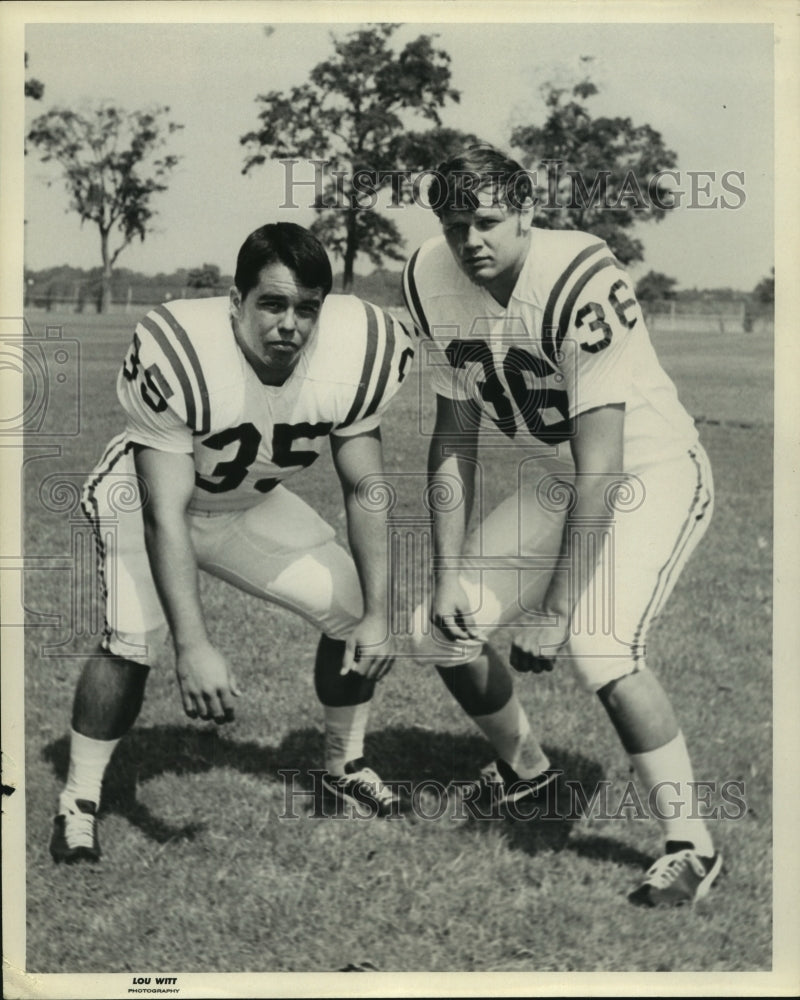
column 225, row 398
column 539, row 333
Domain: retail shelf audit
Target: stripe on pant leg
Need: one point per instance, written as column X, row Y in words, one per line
column 698, row 509
column 117, row 449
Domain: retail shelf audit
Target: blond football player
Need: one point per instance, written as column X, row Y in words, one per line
column 538, row 339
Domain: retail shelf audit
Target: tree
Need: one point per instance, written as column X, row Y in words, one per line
column 353, row 115
column 655, row 287
column 764, row 292
column 112, row 165
column 207, row 276
column 33, row 88
column 601, row 175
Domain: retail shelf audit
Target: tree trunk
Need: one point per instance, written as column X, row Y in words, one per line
column 350, row 251
column 108, row 271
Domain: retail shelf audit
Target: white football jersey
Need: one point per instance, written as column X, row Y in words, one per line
column 186, row 387
column 572, row 338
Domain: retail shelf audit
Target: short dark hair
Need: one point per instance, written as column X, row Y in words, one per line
column 456, row 181
column 290, row 244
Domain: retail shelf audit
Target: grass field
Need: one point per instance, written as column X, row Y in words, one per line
column 201, row 874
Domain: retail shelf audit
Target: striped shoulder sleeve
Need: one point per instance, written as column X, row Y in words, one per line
column 164, row 365
column 411, row 294
column 566, row 290
column 387, row 358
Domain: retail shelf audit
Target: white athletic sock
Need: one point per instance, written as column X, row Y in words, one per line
column 509, row 732
column 345, row 726
column 88, row 759
column 675, row 802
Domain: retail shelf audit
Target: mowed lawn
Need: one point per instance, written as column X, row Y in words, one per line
column 203, row 869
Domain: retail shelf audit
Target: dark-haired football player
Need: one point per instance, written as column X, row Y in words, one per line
column 225, row 398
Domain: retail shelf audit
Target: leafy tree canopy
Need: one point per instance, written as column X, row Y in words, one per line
column 598, row 174
column 355, row 113
column 764, row 292
column 33, row 88
column 655, row 287
column 112, row 163
column 207, row 276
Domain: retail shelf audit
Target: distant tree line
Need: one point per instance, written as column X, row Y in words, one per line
column 655, row 288
column 358, row 113
column 81, row 290
column 659, row 297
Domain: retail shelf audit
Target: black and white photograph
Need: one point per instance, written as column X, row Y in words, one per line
column 400, row 514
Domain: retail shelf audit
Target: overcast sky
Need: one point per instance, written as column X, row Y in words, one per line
column 707, row 89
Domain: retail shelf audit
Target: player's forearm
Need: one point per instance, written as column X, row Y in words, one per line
column 451, row 489
column 368, row 539
column 585, row 530
column 174, row 568
column 452, row 460
column 598, row 450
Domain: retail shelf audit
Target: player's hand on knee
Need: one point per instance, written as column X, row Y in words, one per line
column 534, row 648
column 368, row 649
column 451, row 613
column 526, row 662
column 207, row 685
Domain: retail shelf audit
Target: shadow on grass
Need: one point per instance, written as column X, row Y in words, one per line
column 398, row 753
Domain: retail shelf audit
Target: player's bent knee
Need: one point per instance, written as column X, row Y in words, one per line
column 596, row 664
column 338, row 627
column 143, row 648
column 327, row 590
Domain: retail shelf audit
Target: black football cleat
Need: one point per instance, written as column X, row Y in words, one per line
column 75, row 834
column 363, row 789
column 501, row 783
column 677, row 878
